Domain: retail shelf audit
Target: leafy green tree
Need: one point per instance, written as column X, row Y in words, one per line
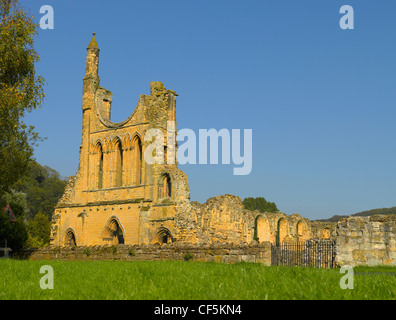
column 32, row 200
column 21, row 91
column 39, row 230
column 18, row 202
column 259, row 204
column 43, row 187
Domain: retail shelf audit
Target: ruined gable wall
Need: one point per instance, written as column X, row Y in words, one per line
column 224, row 219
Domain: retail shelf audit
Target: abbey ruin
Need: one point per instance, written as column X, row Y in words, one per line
column 118, row 198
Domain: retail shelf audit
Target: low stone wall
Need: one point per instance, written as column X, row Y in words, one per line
column 359, row 241
column 227, row 253
column 366, row 241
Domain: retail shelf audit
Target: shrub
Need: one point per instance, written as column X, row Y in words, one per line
column 188, row 256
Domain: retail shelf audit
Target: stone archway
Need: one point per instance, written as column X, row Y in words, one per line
column 119, row 163
column 113, row 232
column 164, row 235
column 98, row 164
column 263, row 232
column 302, row 231
column 281, row 231
column 70, row 238
column 164, row 187
column 137, row 160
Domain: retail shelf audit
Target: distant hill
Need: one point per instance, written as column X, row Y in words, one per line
column 367, row 213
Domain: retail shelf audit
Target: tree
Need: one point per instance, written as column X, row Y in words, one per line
column 39, row 231
column 259, row 204
column 18, row 202
column 32, row 200
column 43, row 187
column 21, row 91
column 15, row 233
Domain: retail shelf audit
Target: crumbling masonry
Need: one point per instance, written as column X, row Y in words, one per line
column 118, row 198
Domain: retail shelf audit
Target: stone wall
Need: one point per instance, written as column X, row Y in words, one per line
column 359, row 241
column 366, row 241
column 227, row 253
column 224, row 219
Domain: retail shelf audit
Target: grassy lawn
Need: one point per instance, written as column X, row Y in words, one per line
column 178, row 280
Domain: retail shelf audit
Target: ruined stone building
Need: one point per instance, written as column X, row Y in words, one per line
column 116, row 197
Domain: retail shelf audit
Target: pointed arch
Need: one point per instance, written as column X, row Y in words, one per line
column 118, row 162
column 99, row 169
column 70, row 238
column 136, row 134
column 163, row 236
column 137, row 160
column 113, row 231
column 98, row 140
column 164, row 186
column 115, row 140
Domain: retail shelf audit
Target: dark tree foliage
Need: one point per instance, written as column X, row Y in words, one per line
column 16, row 233
column 259, row 204
column 43, row 187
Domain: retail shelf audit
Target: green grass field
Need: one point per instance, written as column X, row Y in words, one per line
column 179, row 280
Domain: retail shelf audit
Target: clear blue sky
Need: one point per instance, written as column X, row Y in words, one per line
column 321, row 101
